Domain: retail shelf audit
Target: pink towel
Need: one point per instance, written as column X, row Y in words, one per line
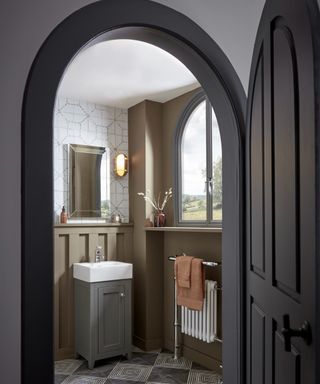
column 183, row 271
column 191, row 297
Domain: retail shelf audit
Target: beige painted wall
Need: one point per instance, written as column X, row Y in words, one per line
column 152, row 126
column 137, row 213
column 145, row 149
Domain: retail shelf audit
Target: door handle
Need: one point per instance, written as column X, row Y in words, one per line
column 122, row 294
column 304, row 331
column 209, row 182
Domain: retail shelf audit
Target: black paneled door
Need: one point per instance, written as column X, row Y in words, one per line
column 281, row 196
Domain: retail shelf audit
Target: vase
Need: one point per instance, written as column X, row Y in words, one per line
column 159, row 219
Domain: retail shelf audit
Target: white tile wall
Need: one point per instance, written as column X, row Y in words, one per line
column 81, row 122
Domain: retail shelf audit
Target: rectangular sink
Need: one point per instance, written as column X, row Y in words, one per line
column 103, row 271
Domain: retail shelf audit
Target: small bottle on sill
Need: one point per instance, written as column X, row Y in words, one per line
column 63, row 216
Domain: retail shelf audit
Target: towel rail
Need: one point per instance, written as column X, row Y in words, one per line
column 206, row 263
column 177, row 325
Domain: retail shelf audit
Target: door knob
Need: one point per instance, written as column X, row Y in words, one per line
column 122, row 294
column 304, row 331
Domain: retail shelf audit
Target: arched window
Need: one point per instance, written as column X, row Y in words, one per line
column 198, row 173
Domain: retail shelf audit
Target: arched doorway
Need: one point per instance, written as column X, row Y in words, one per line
column 169, row 30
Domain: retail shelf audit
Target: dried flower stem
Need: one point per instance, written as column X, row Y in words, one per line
column 156, row 203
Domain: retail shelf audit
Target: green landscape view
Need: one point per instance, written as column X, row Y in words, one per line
column 105, row 208
column 194, row 206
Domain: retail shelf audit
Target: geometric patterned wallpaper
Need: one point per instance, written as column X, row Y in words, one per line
column 82, row 122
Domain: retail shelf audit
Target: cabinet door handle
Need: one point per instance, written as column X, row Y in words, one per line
column 122, row 294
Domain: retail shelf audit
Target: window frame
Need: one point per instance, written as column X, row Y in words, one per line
column 195, row 101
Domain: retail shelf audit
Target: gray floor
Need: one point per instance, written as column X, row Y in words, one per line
column 158, row 368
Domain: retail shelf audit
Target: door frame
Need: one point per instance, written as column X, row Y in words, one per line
column 162, row 26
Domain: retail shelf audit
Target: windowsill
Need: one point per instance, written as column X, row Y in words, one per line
column 184, row 229
column 92, row 224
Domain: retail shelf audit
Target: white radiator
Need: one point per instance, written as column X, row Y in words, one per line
column 202, row 324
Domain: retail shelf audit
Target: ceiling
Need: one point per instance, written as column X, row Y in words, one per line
column 122, row 73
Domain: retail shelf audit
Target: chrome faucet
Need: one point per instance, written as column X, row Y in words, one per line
column 99, row 255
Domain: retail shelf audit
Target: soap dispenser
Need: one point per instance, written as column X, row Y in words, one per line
column 63, row 216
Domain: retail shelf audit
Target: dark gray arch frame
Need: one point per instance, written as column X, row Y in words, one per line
column 183, row 38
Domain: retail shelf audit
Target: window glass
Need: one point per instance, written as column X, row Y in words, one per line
column 193, row 162
column 216, row 170
column 199, row 175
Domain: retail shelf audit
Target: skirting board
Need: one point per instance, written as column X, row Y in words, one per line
column 147, row 345
column 64, row 353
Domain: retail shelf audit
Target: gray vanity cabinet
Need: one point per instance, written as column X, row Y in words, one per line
column 111, row 321
column 102, row 319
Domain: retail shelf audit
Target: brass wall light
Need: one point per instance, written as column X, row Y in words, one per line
column 121, row 164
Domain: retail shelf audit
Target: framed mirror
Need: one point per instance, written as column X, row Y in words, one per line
column 88, row 181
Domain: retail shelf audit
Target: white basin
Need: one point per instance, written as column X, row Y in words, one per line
column 103, row 271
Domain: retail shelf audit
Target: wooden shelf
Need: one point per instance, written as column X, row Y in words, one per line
column 185, row 229
column 87, row 224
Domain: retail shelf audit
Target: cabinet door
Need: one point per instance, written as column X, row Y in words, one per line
column 111, row 319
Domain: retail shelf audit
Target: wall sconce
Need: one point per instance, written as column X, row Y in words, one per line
column 121, row 164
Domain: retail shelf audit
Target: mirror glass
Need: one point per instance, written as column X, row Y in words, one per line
column 89, row 184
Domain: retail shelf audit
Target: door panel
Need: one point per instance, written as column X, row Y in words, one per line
column 111, row 318
column 285, row 110
column 286, row 365
column 281, row 199
column 257, row 345
column 257, row 171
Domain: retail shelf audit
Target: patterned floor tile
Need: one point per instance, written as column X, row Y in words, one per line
column 132, row 372
column 66, row 367
column 198, row 367
column 141, row 358
column 102, row 368
column 166, row 360
column 58, row 379
column 168, row 375
column 117, row 381
column 84, row 380
column 204, row 377
column 144, row 367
